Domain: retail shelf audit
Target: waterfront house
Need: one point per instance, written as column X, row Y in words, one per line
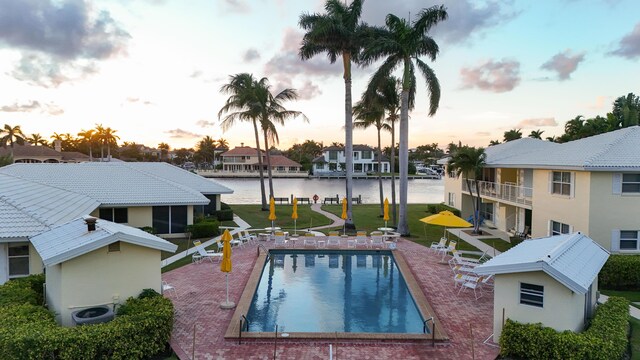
column 552, row 280
column 591, row 185
column 91, row 262
column 245, row 159
column 28, row 153
column 365, row 160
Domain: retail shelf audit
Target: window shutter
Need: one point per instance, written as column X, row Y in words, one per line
column 615, row 240
column 617, row 184
column 550, row 187
column 549, row 228
column 573, row 184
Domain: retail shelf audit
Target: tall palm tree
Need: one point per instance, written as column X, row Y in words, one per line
column 400, row 44
column 100, row 136
column 88, row 136
column 164, row 150
column 241, row 106
column 110, row 138
column 536, row 134
column 223, row 143
column 513, row 134
column 470, row 160
column 338, row 33
column 36, row 139
column 11, row 135
column 273, row 112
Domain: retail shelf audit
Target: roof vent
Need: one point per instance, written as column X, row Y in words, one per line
column 91, row 223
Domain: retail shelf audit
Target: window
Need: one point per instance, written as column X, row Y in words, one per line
column 631, row 183
column 114, row 247
column 357, row 167
column 118, row 215
column 333, row 155
column 558, row 228
column 561, row 183
column 356, row 154
column 452, row 199
column 367, row 154
column 319, row 166
column 169, row 219
column 531, row 294
column 18, row 260
column 629, row 240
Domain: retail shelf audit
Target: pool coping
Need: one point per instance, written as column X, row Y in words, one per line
column 418, row 295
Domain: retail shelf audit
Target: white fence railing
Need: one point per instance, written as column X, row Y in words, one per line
column 502, row 191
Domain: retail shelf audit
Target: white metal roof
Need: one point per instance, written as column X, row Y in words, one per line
column 72, row 239
column 181, row 176
column 28, row 207
column 110, row 183
column 574, row 260
column 612, row 151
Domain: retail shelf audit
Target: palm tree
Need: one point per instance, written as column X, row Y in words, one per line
column 223, row 143
column 402, row 43
column 513, row 134
column 109, row 137
column 338, row 33
column 536, row 134
column 88, row 136
column 164, row 150
column 241, row 106
column 626, row 110
column 206, row 149
column 36, row 139
column 494, row 142
column 10, row 135
column 99, row 135
column 468, row 160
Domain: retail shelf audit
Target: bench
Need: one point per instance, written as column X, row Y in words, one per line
column 303, row 200
column 330, row 200
column 281, row 200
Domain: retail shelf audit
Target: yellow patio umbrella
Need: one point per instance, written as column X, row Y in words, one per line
column 225, row 265
column 294, row 215
column 272, row 210
column 447, row 219
column 344, row 214
column 386, row 211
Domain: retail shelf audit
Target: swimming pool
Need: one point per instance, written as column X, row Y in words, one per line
column 333, row 291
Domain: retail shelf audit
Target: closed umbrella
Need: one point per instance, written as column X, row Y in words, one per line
column 386, row 211
column 272, row 211
column 294, row 215
column 225, row 265
column 344, row 214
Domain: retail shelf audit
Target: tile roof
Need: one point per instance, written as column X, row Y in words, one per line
column 242, row 151
column 612, row 151
column 110, row 183
column 281, row 160
column 29, row 207
column 574, row 260
column 180, row 176
column 30, row 150
column 72, row 239
column 74, row 155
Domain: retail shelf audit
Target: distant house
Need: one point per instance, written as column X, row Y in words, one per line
column 365, row 159
column 28, row 153
column 591, row 185
column 551, row 280
column 245, row 159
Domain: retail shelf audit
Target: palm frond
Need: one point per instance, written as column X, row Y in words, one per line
column 432, row 84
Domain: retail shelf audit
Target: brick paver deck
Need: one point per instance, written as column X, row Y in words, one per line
column 201, row 288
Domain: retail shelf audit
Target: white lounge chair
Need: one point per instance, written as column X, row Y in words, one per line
column 474, row 285
column 450, row 248
column 376, row 240
column 458, row 259
column 166, row 288
column 361, row 239
column 205, row 254
column 333, row 239
column 310, row 239
column 440, row 245
column 237, row 241
column 280, row 239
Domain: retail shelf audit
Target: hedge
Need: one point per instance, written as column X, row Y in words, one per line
column 206, row 228
column 28, row 331
column 436, row 208
column 620, row 272
column 605, row 339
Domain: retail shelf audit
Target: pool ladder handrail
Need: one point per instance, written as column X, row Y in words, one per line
column 260, row 246
column 246, row 322
column 433, row 330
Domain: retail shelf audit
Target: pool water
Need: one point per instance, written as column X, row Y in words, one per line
column 333, row 291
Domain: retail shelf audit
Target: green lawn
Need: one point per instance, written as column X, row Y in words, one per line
column 502, row 245
column 635, row 339
column 258, row 219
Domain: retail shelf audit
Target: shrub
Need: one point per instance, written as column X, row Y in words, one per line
column 432, row 208
column 225, row 215
column 606, row 338
column 149, row 229
column 224, row 206
column 27, row 290
column 620, row 272
column 142, row 328
column 204, row 229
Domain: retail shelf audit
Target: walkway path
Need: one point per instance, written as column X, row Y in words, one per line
column 633, row 311
column 336, row 220
column 474, row 241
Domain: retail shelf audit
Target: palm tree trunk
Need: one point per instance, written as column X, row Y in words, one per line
column 348, row 146
column 380, row 174
column 403, row 224
column 102, row 151
column 90, row 153
column 108, row 151
column 475, row 204
column 393, row 172
column 266, row 146
column 264, row 198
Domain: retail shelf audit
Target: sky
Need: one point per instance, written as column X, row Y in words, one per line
column 152, row 69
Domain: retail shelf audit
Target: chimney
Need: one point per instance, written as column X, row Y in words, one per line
column 241, row 144
column 57, row 145
column 91, row 223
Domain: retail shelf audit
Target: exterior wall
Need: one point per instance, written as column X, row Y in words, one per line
column 35, row 261
column 610, row 212
column 103, row 278
column 4, row 263
column 53, row 288
column 140, row 216
column 562, row 309
column 190, row 215
column 570, row 210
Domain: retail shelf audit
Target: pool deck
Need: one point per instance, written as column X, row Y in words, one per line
column 201, row 288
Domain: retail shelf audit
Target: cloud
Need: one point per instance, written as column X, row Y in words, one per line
column 629, row 45
column 599, row 102
column 182, row 134
column 250, row 55
column 32, row 106
column 466, row 19
column 563, row 63
column 536, row 123
column 132, row 99
column 495, row 76
column 483, row 133
column 234, row 6
column 205, row 124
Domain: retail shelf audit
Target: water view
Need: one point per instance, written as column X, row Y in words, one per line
column 247, row 191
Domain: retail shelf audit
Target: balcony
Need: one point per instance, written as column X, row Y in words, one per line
column 504, row 192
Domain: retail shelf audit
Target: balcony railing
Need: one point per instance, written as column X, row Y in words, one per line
column 502, row 191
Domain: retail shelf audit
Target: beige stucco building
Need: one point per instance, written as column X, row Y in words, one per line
column 550, row 280
column 104, row 265
column 590, row 185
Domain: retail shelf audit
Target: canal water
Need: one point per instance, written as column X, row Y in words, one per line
column 247, row 191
